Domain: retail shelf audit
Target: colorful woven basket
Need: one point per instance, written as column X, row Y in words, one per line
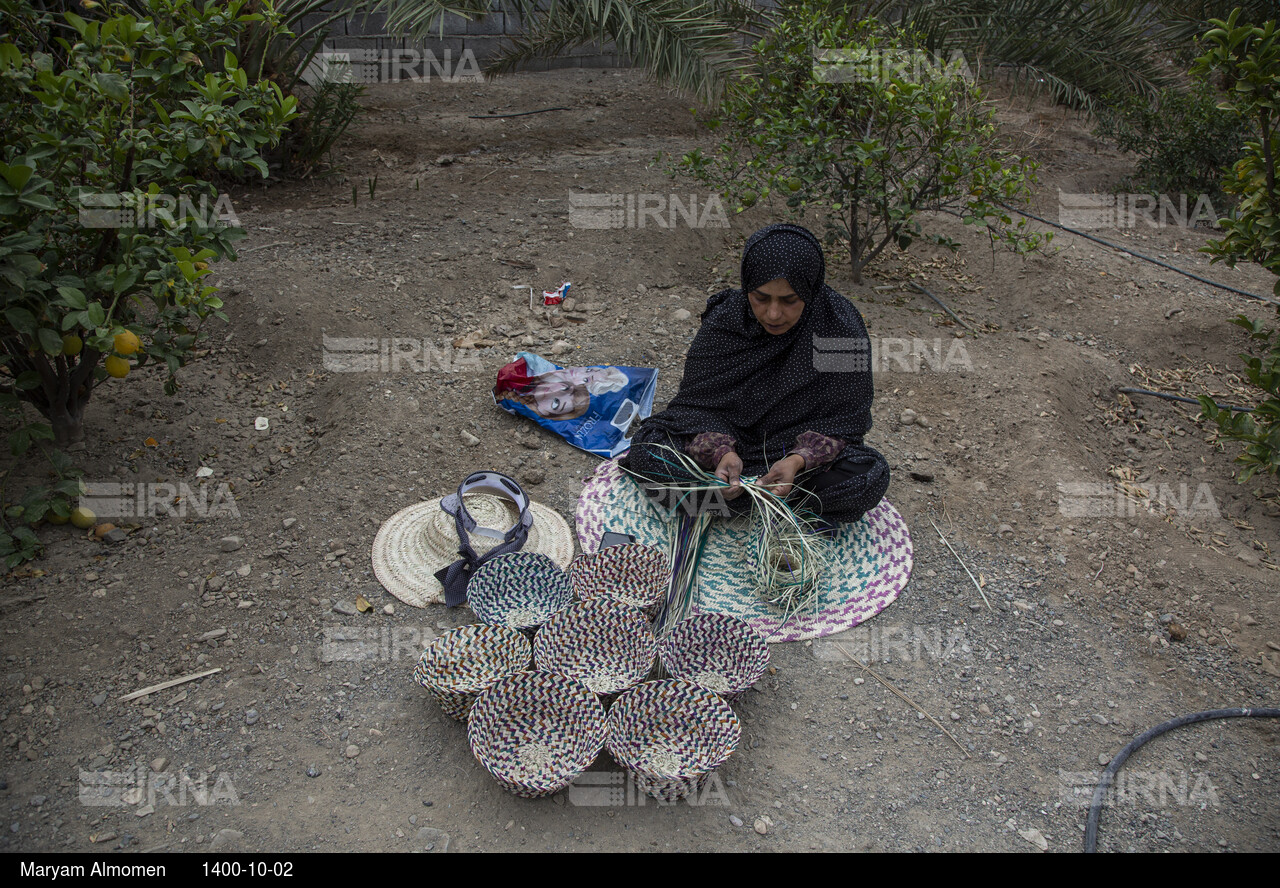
column 521, row 590
column 717, row 652
column 605, row 644
column 671, row 735
column 536, row 731
column 873, row 558
column 636, row 575
column 464, row 662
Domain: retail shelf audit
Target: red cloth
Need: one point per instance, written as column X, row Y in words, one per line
column 513, row 377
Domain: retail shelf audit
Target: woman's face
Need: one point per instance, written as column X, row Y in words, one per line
column 776, row 306
column 555, row 398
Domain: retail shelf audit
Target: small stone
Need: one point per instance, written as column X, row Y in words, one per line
column 762, row 826
column 230, row 543
column 907, row 417
column 1177, row 632
column 344, row 608
column 213, row 634
column 1099, row 718
column 159, row 764
column 560, row 346
column 351, row 751
column 389, row 609
column 533, row 475
column 115, row 535
column 99, row 699
column 682, row 314
column 225, row 838
column 432, row 841
column 955, row 716
column 313, row 771
column 145, row 811
column 1248, row 558
column 289, row 522
column 735, row 820
column 204, row 472
column 1004, row 528
column 984, row 708
column 251, row 717
column 1102, row 759
column 1035, row 837
column 244, row 570
column 469, row 439
column 1201, row 757
column 38, row 800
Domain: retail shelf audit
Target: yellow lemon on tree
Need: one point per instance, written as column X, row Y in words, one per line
column 72, row 345
column 127, row 343
column 117, row 367
column 83, row 518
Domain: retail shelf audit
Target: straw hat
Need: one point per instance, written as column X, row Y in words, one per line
column 416, row 542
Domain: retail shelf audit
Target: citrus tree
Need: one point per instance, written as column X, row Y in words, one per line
column 852, row 119
column 1248, row 57
column 108, row 220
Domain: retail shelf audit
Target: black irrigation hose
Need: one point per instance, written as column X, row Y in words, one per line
column 1123, row 249
column 1108, row 776
column 1133, row 391
column 516, row 114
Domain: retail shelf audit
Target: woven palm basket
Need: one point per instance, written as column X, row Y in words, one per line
column 636, row 575
column 671, row 735
column 605, row 644
column 536, row 731
column 717, row 652
column 464, row 662
column 521, row 590
column 871, row 559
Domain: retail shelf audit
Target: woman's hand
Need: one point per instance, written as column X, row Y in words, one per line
column 728, row 471
column 781, row 477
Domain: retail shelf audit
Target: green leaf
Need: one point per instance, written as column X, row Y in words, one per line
column 21, row 320
column 50, row 341
column 27, row 380
column 72, row 297
column 112, row 86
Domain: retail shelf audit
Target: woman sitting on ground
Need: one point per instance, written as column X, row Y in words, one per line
column 753, row 401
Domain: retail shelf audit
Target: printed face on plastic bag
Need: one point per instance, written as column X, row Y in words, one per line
column 592, row 408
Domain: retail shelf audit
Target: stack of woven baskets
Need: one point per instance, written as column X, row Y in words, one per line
column 564, row 665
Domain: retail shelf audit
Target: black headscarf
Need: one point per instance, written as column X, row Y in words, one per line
column 764, row 389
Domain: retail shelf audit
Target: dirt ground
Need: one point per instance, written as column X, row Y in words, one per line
column 1074, row 656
